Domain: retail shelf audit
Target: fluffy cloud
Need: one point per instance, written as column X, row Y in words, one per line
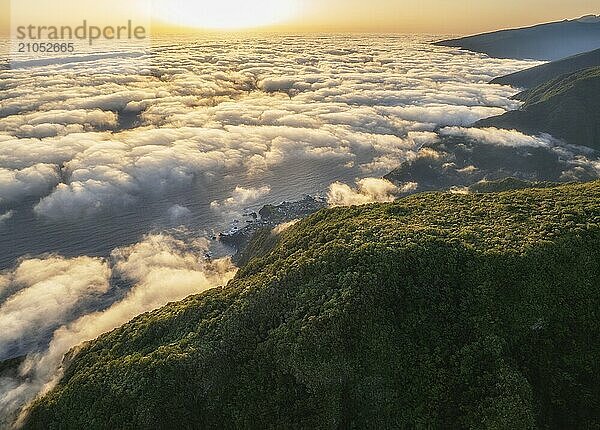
column 30, row 181
column 445, row 115
column 54, row 122
column 46, row 293
column 368, row 190
column 241, row 108
column 6, row 216
column 494, row 136
column 242, row 196
column 161, row 269
column 178, row 212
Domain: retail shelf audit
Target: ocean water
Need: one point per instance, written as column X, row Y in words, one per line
column 26, row 235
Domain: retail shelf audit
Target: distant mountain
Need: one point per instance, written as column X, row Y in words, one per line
column 567, row 108
column 463, row 160
column 550, row 41
column 589, row 18
column 437, row 311
column 535, row 76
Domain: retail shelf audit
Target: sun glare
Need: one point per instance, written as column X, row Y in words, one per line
column 225, row 14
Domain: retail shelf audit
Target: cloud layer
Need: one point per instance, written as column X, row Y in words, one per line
column 160, row 268
column 41, row 294
column 86, row 142
column 368, row 190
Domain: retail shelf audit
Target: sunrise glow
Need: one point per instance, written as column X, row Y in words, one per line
column 225, row 14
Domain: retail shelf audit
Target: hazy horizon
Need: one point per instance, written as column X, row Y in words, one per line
column 385, row 16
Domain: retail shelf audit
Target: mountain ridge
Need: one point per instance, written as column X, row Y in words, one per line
column 546, row 72
column 385, row 315
column 547, row 41
column 567, row 107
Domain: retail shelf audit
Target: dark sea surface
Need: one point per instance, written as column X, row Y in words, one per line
column 25, row 234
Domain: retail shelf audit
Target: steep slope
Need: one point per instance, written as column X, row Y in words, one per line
column 546, row 72
column 550, row 41
column 567, row 108
column 507, row 184
column 437, row 311
column 464, row 159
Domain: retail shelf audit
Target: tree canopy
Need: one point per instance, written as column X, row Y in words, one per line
column 437, row 311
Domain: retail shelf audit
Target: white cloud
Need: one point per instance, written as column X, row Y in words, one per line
column 259, row 106
column 29, row 181
column 242, row 196
column 47, row 292
column 6, row 216
column 445, row 114
column 54, row 122
column 368, row 190
column 162, row 270
column 177, row 212
column 494, row 136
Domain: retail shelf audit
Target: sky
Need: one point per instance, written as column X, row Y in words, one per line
column 440, row 16
column 405, row 16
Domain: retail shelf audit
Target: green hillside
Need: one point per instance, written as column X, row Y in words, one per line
column 438, row 311
column 567, row 108
column 507, row 184
column 546, row 72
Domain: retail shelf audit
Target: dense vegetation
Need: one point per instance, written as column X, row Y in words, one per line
column 567, row 108
column 261, row 243
column 538, row 75
column 507, row 184
column 550, row 41
column 437, row 311
column 10, row 367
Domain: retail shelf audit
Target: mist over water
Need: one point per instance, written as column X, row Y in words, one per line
column 28, row 234
column 117, row 169
column 309, row 111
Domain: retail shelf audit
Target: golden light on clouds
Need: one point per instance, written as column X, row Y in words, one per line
column 389, row 16
column 225, row 14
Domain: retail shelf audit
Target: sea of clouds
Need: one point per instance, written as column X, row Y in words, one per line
column 83, row 140
column 142, row 163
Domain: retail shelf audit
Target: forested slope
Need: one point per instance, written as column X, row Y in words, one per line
column 546, row 72
column 567, row 108
column 437, row 311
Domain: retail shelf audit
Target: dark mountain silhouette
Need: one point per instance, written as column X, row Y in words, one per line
column 550, row 41
column 538, row 75
column 567, row 108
